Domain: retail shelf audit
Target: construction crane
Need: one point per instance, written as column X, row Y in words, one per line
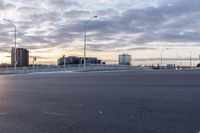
column 5, row 50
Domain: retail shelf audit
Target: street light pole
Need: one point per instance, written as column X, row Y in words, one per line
column 84, row 44
column 190, row 59
column 15, row 62
column 161, row 56
column 64, row 62
column 85, row 37
column 15, row 42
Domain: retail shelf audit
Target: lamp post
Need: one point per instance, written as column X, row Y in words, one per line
column 190, row 59
column 15, row 42
column 85, row 35
column 64, row 62
column 34, row 59
column 161, row 56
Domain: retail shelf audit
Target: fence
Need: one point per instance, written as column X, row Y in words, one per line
column 75, row 68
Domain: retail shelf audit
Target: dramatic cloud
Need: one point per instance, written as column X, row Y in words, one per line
column 62, row 4
column 128, row 25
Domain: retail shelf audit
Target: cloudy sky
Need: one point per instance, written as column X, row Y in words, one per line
column 142, row 28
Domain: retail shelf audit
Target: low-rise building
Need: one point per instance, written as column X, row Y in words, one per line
column 77, row 60
column 125, row 59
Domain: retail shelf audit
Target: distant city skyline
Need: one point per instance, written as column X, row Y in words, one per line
column 52, row 28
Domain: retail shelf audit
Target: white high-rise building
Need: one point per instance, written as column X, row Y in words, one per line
column 125, row 59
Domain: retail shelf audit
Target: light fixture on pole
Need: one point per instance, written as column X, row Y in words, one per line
column 85, row 35
column 15, row 42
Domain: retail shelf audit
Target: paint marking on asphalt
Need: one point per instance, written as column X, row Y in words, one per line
column 1, row 114
column 52, row 113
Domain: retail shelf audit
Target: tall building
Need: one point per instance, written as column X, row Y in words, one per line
column 125, row 59
column 22, row 57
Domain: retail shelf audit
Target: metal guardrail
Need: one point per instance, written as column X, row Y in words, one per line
column 54, row 68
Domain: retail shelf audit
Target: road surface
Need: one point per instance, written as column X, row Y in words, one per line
column 102, row 102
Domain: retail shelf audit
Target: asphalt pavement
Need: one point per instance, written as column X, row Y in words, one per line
column 101, row 102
